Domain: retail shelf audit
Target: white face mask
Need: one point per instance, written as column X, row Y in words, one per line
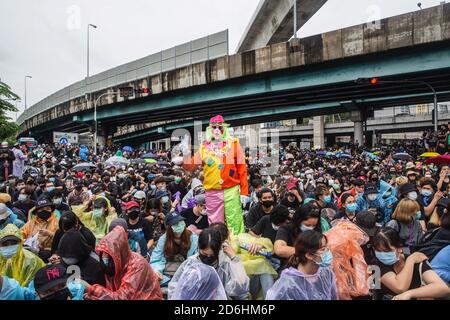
column 371, row 197
column 275, row 227
column 412, row 195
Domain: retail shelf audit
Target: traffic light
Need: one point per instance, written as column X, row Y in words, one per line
column 126, row 92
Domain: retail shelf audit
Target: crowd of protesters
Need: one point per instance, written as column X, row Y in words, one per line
column 132, row 225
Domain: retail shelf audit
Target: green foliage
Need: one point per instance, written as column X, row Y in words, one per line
column 8, row 128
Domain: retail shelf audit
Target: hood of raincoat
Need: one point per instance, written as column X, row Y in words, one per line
column 385, row 187
column 23, row 266
column 74, row 245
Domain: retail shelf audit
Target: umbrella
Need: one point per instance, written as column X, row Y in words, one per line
column 321, row 153
column 150, row 160
column 377, row 153
column 128, row 149
column 137, row 161
column 150, row 155
column 429, row 154
column 402, row 156
column 84, row 166
column 344, row 155
column 444, row 159
column 163, row 164
column 117, row 161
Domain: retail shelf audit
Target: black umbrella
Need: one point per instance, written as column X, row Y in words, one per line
column 84, row 166
column 402, row 156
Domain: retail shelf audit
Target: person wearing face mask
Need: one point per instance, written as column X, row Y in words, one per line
column 178, row 185
column 196, row 217
column 78, row 196
column 349, row 208
column 17, row 262
column 7, row 216
column 73, row 250
column 128, row 275
column 305, row 219
column 211, row 245
column 25, row 202
column 196, row 188
column 357, row 190
column 139, row 226
column 58, row 201
column 173, row 247
column 412, row 176
column 371, row 201
column 309, row 275
column 324, row 198
column 266, row 203
column 429, row 196
column 389, row 194
column 41, row 227
column 269, row 225
column 409, row 191
column 404, row 277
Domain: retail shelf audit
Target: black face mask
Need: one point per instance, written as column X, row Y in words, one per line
column 267, row 203
column 79, row 188
column 133, row 214
column 59, row 295
column 210, row 261
column 44, row 215
column 106, row 180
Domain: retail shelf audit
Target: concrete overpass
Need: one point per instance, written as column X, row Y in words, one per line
column 313, row 76
column 273, row 22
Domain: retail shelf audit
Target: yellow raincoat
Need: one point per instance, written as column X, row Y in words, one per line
column 98, row 226
column 24, row 265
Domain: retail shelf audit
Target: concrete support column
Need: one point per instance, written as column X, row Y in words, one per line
column 319, row 132
column 358, row 118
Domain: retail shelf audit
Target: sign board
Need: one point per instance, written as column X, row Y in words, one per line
column 65, row 137
column 305, row 145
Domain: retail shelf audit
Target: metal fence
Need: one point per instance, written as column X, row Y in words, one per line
column 196, row 51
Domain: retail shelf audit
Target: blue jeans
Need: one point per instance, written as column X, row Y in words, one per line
column 261, row 282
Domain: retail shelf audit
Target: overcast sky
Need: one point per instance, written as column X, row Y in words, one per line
column 47, row 38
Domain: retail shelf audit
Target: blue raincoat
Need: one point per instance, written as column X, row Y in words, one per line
column 389, row 200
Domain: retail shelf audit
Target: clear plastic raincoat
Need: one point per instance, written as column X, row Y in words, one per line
column 24, row 264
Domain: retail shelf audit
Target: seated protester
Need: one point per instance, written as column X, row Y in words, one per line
column 409, row 191
column 356, row 190
column 24, row 201
column 56, row 197
column 99, row 218
column 196, row 189
column 18, row 185
column 441, row 264
column 15, row 261
column 178, row 185
column 370, row 201
column 154, row 214
column 74, row 250
column 405, row 221
column 309, row 276
column 256, row 187
column 69, row 221
column 436, row 216
column 140, row 197
column 198, row 281
column 40, row 229
column 388, row 193
column 196, row 217
column 215, row 251
column 268, row 225
column 128, row 274
column 404, row 277
column 8, row 217
column 163, row 194
column 349, row 208
column 99, row 190
column 429, row 196
column 173, row 248
column 367, row 222
column 436, row 239
column 267, row 201
column 50, row 283
column 79, row 195
column 324, row 199
column 292, row 200
column 306, row 218
column 139, row 226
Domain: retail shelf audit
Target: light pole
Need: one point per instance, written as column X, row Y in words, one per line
column 26, row 77
column 95, row 116
column 295, row 19
column 88, row 45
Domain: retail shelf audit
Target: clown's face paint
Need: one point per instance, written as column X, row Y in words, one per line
column 217, row 131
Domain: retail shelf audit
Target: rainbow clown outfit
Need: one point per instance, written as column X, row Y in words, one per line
column 225, row 176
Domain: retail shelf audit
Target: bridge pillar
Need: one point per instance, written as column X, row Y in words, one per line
column 319, row 132
column 357, row 118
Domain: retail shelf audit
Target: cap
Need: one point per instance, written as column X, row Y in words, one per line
column 358, row 182
column 410, row 172
column 406, row 188
column 50, row 276
column 139, row 195
column 44, row 203
column 118, row 222
column 410, row 165
column 100, row 203
column 4, row 144
column 4, row 213
column 130, row 170
column 5, row 198
column 370, row 189
column 172, row 219
column 131, row 204
column 366, row 220
column 200, row 199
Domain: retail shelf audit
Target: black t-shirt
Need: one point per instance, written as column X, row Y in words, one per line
column 201, row 222
column 294, row 204
column 142, row 229
column 264, row 229
column 416, row 279
column 287, row 234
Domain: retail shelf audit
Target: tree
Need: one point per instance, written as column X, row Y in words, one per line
column 8, row 128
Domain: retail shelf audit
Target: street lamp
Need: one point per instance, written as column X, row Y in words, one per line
column 95, row 116
column 88, row 44
column 375, row 81
column 26, row 77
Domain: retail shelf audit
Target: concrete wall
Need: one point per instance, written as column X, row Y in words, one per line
column 430, row 25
